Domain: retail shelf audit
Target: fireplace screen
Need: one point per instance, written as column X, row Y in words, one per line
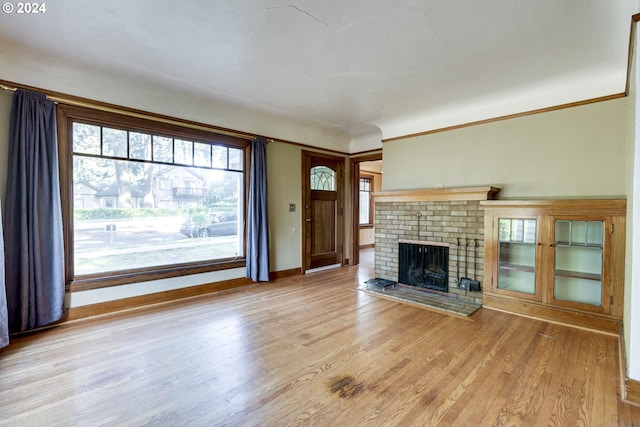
column 425, row 266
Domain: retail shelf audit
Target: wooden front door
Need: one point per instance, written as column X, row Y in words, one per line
column 322, row 216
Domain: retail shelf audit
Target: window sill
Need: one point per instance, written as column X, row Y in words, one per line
column 85, row 283
column 362, row 226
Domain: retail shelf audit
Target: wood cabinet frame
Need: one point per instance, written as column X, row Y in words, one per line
column 492, row 255
column 543, row 303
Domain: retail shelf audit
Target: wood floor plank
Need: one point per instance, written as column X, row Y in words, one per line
column 559, row 407
column 311, row 351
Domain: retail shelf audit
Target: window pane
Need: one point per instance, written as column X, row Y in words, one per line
column 323, row 178
column 91, row 171
column 184, row 152
column 86, row 138
column 139, row 146
column 162, row 149
column 235, row 159
column 132, row 215
column 364, row 207
column 219, row 157
column 202, row 154
column 365, row 200
column 114, row 142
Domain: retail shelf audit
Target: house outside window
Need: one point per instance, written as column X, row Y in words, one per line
column 109, row 202
column 150, row 200
column 165, row 183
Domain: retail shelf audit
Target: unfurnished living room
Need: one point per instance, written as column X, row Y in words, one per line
column 336, row 213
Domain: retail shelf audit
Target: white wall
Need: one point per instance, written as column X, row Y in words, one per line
column 574, row 152
column 632, row 269
column 367, row 236
column 95, row 296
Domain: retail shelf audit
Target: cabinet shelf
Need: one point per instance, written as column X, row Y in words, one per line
column 578, row 245
column 517, row 242
column 579, row 275
column 517, row 267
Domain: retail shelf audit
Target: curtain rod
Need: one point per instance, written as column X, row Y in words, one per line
column 87, row 103
column 139, row 115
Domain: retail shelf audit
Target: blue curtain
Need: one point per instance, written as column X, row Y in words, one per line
column 4, row 316
column 34, row 251
column 257, row 223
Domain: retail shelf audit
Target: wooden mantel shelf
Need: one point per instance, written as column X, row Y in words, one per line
column 437, row 194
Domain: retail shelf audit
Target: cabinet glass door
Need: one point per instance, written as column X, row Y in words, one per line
column 578, row 261
column 517, row 255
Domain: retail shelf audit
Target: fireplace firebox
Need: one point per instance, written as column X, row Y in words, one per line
column 424, row 264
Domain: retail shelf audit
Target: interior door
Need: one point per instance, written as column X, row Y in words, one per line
column 323, row 188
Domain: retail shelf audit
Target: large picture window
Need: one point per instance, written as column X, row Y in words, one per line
column 148, row 199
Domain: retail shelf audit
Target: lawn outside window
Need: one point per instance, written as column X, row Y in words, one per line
column 144, row 199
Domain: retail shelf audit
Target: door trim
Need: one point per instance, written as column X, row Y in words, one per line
column 354, row 224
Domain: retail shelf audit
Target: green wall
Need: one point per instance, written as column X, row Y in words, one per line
column 573, row 152
column 284, row 169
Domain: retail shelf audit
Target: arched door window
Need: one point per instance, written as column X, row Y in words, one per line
column 323, row 178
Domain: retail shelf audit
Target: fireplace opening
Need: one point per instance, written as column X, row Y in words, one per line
column 425, row 265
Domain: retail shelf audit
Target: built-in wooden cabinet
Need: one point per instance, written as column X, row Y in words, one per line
column 559, row 260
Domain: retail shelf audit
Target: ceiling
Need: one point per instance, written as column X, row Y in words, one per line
column 366, row 69
column 374, row 166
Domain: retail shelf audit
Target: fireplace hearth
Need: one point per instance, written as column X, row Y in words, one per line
column 424, row 265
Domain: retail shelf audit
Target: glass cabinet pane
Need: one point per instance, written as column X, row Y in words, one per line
column 578, row 261
column 595, row 233
column 517, row 255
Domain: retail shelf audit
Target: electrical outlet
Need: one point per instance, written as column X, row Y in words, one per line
column 292, row 207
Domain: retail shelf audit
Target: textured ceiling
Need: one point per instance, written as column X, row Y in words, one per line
column 369, row 69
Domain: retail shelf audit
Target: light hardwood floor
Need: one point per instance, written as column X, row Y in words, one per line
column 310, row 350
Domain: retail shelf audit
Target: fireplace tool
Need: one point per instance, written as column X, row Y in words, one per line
column 458, row 251
column 464, row 281
column 474, row 285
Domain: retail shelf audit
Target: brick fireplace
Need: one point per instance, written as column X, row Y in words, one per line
column 450, row 217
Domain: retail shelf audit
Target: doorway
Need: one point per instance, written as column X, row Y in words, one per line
column 322, row 216
column 365, row 178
